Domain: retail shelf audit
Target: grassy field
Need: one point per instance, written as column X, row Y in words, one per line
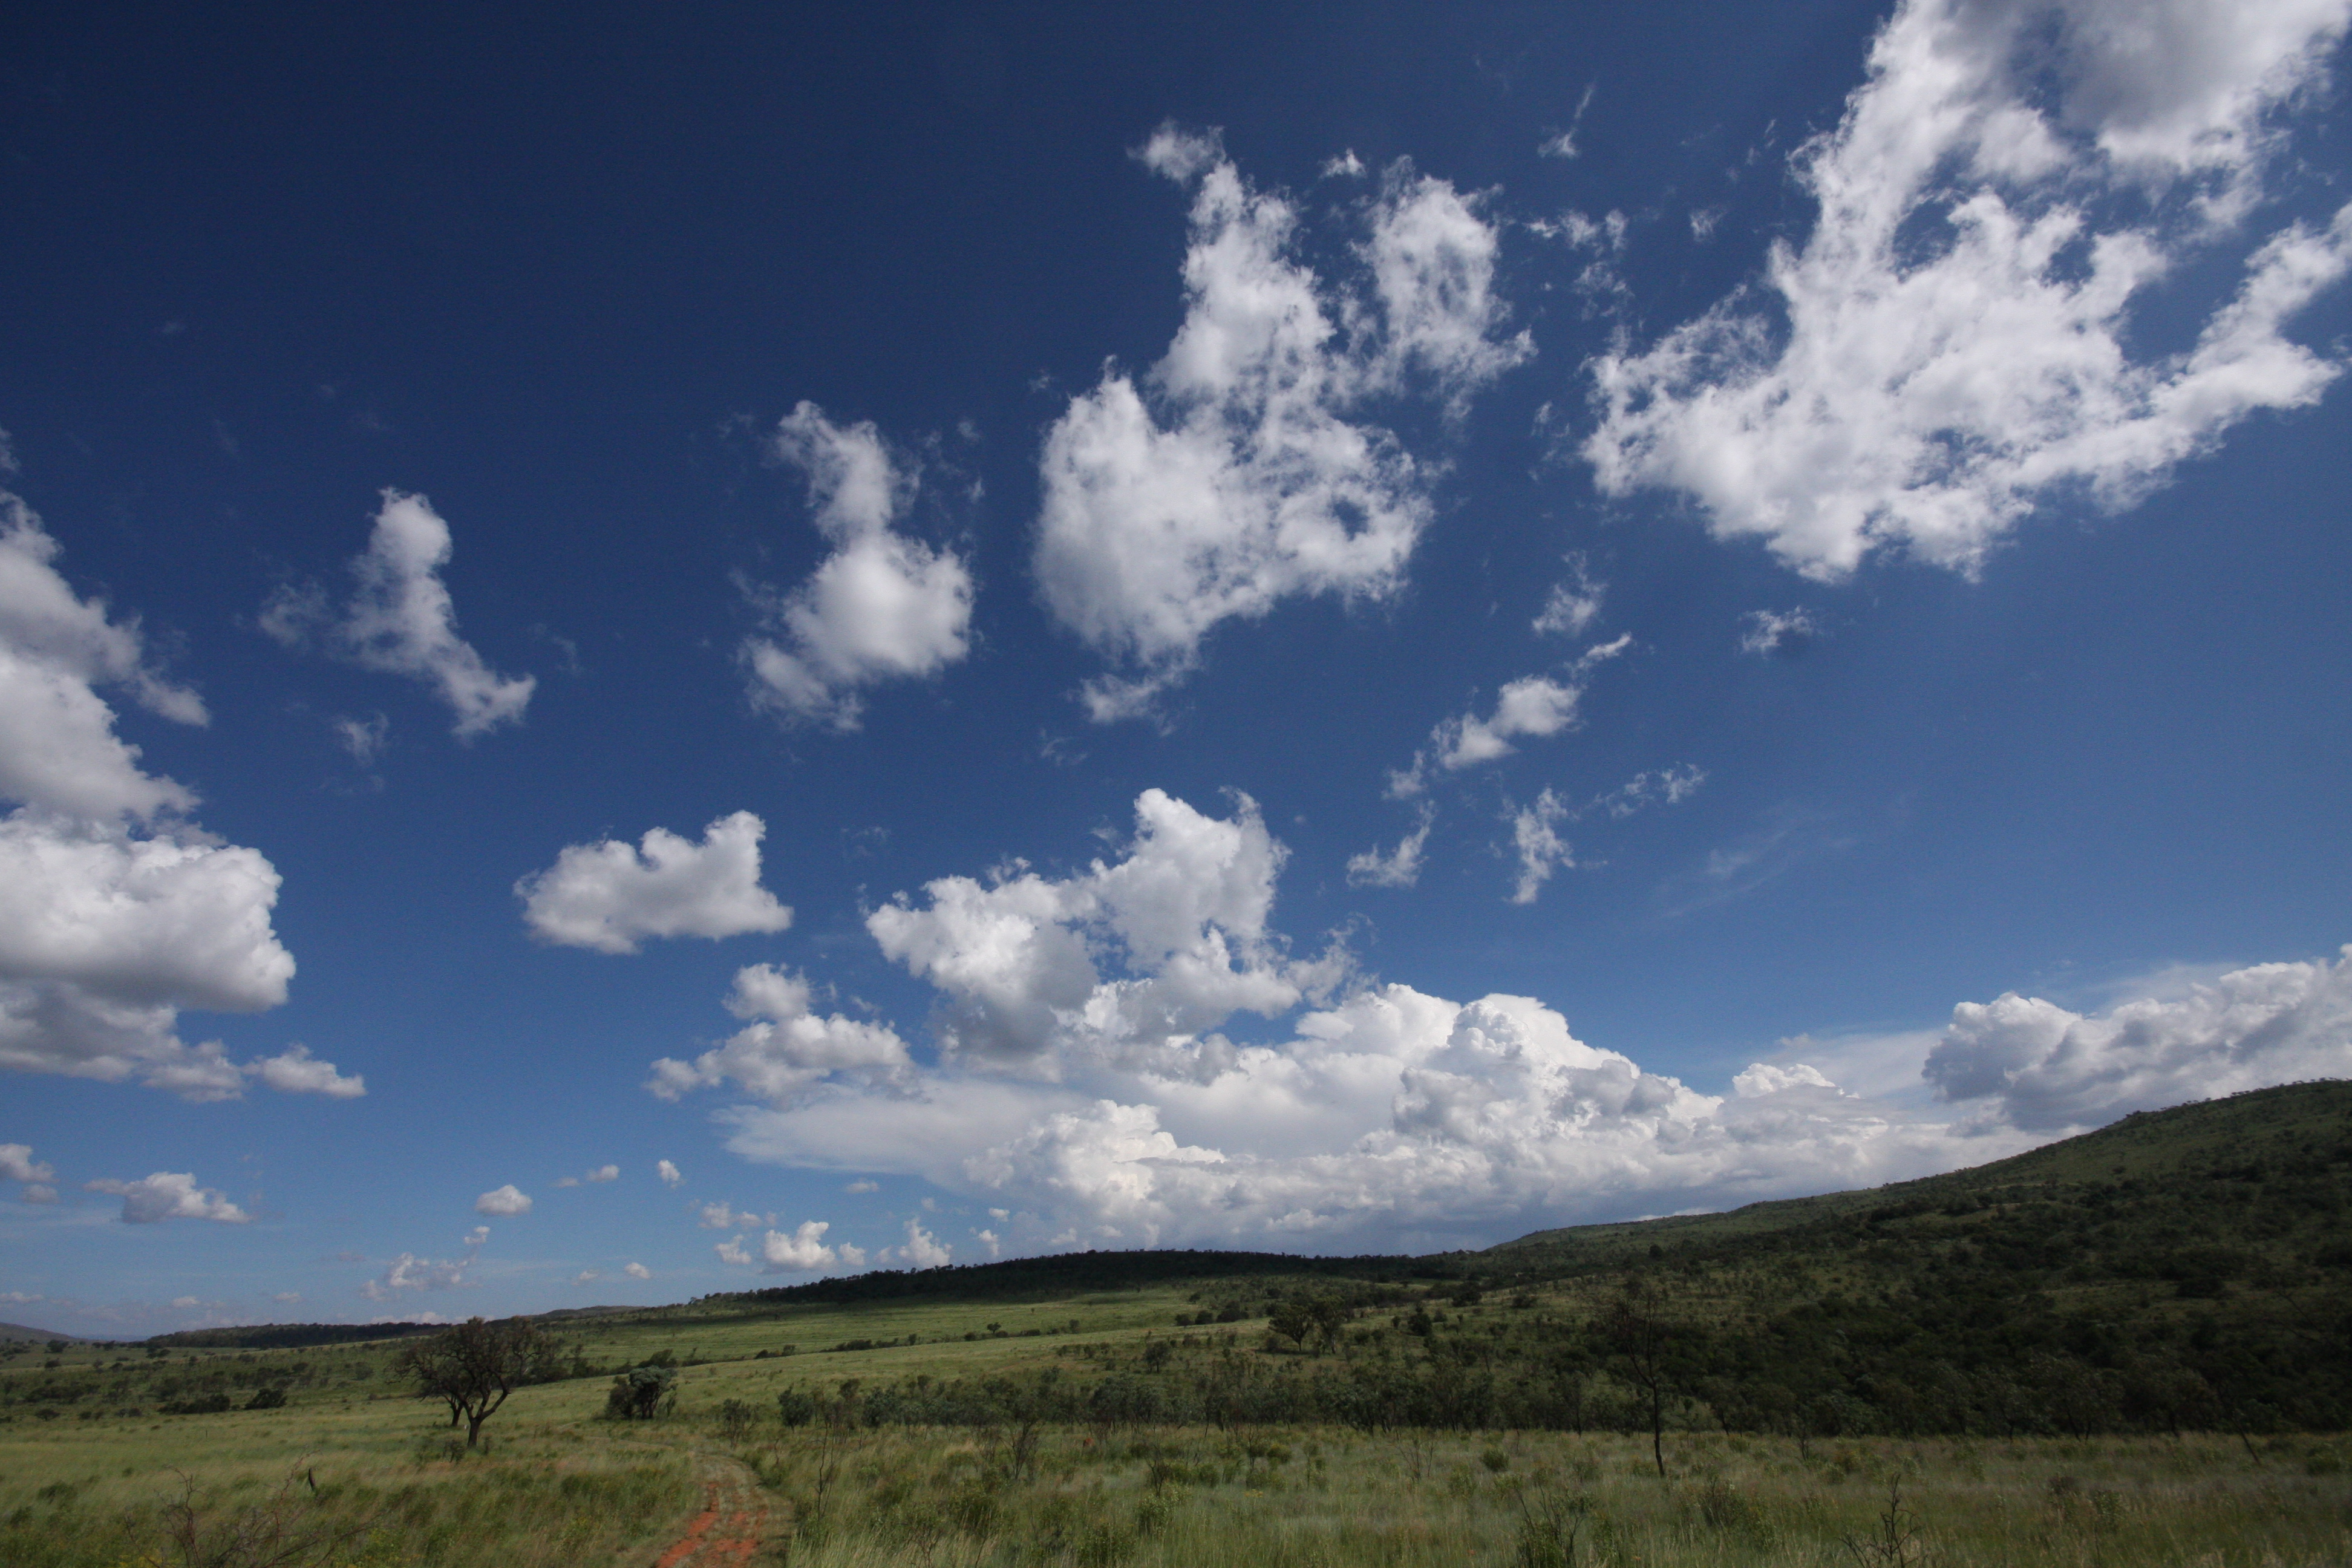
column 352, row 1472
column 559, row 1487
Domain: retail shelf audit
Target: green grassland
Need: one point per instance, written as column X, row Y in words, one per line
column 2131, row 1347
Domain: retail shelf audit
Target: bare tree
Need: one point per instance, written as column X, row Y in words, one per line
column 475, row 1365
column 1638, row 1336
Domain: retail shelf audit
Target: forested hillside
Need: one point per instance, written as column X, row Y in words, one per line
column 2185, row 1270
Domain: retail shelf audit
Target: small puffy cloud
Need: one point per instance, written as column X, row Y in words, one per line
column 17, row 1164
column 38, row 1193
column 603, row 1173
column 287, row 1297
column 1573, row 603
column 364, row 739
column 296, row 1071
column 169, row 1195
column 503, row 1202
column 798, row 1251
column 2035, row 1064
column 587, row 1277
column 402, row 620
column 1533, row 707
column 638, row 1271
column 924, row 1250
column 1240, row 471
column 609, row 896
column 785, row 1046
column 670, row 1174
column 1959, row 340
column 862, row 1186
column 720, row 1217
column 1535, row 837
column 1397, row 868
column 881, row 606
column 1767, row 632
column 409, row 1272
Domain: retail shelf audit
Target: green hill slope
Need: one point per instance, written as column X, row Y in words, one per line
column 2282, row 1151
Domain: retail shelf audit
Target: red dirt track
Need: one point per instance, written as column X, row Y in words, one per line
column 730, row 1528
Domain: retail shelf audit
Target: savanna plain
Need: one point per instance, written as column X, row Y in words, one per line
column 2134, row 1347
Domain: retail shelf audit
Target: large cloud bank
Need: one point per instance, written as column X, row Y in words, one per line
column 1084, row 1093
column 2036, row 1065
column 116, row 910
column 1957, row 340
column 1240, row 468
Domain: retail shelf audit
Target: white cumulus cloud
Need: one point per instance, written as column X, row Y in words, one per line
column 1397, row 868
column 1532, row 707
column 1390, row 1118
column 785, row 1046
column 409, row 1272
column 2037, row 1066
column 924, row 1250
column 799, row 1252
column 169, row 1195
column 17, row 1164
column 1574, row 602
column 882, row 606
column 638, row 1271
column 610, row 896
column 503, row 1201
column 402, row 620
column 1958, row 340
column 116, row 910
column 1241, row 469
column 1182, row 918
column 1776, row 631
column 670, row 1174
column 296, row 1071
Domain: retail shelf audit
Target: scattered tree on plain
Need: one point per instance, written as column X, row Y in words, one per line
column 474, row 1366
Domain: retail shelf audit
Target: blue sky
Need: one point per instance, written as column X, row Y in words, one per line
column 689, row 651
